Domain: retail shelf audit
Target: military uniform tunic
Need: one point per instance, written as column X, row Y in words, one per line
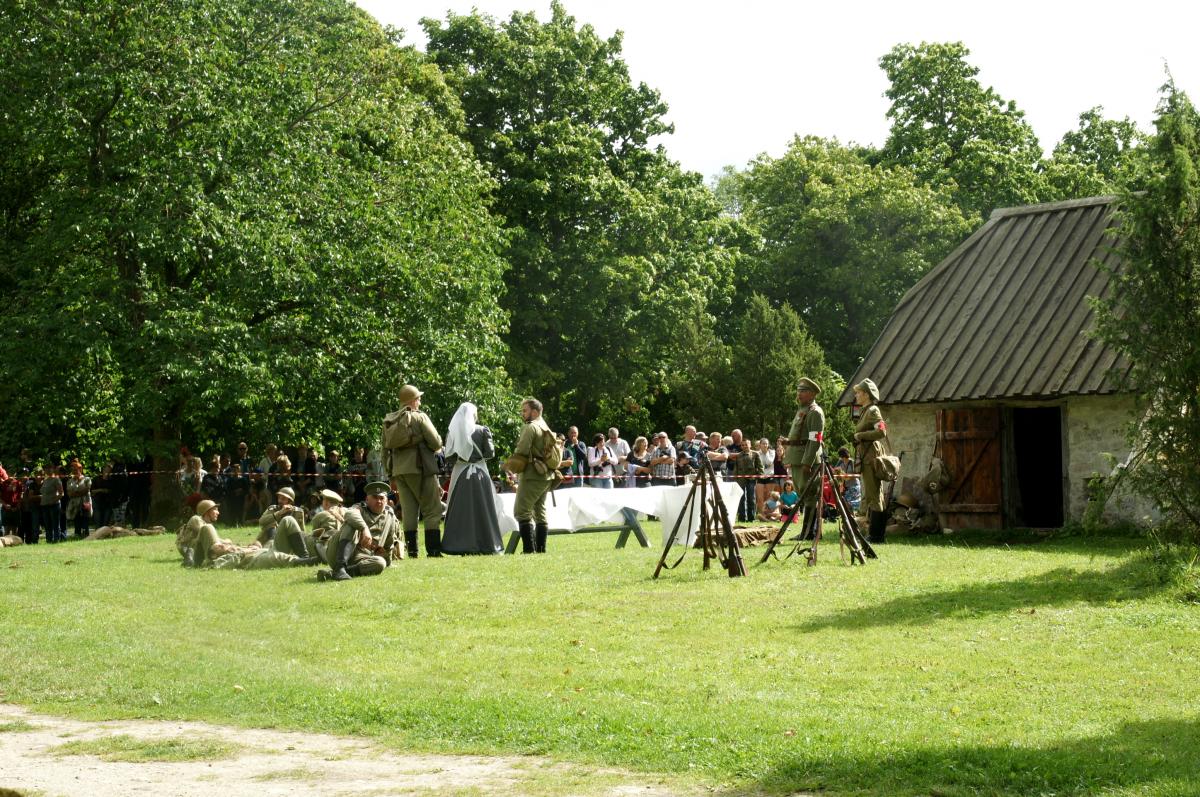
column 804, row 443
column 416, row 485
column 530, row 503
column 358, row 524
column 869, row 437
column 286, row 521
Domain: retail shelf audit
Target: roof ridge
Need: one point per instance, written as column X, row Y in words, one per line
column 1062, row 204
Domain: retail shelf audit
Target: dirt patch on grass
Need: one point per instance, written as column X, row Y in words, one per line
column 37, row 761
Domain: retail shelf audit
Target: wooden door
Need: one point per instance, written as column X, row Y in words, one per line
column 970, row 443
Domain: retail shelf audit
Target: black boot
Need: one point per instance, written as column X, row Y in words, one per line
column 878, row 527
column 345, row 549
column 307, row 561
column 539, row 537
column 433, row 542
column 410, row 543
column 526, row 529
column 296, row 541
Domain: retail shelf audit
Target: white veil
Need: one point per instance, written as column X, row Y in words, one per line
column 462, row 426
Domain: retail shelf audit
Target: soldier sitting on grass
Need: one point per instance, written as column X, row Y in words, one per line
column 208, row 549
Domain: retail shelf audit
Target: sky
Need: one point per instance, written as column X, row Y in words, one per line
column 742, row 77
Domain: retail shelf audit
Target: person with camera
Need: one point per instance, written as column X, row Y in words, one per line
column 602, row 460
column 662, row 462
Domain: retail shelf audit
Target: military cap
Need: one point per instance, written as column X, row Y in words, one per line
column 907, row 499
column 204, row 506
column 331, row 495
column 378, row 488
column 408, row 393
column 807, row 384
column 288, row 493
column 868, row 387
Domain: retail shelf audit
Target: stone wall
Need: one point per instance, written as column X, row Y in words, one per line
column 1094, row 430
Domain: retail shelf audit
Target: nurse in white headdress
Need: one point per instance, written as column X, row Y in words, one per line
column 471, row 523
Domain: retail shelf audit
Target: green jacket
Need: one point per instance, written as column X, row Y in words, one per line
column 805, row 437
column 382, row 527
column 530, row 445
column 748, row 462
column 328, row 523
column 401, row 461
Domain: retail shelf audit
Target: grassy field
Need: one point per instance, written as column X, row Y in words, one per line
column 952, row 666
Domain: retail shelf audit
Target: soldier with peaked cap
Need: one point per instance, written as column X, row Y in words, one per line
column 410, row 442
column 364, row 543
column 529, row 507
column 803, row 447
column 870, row 441
column 283, row 523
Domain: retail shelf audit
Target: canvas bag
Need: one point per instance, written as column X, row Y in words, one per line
column 886, row 466
column 396, row 434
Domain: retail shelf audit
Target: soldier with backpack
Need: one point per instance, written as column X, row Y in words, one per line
column 536, row 458
column 410, row 446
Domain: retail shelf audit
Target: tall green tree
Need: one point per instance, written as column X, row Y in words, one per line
column 1153, row 311
column 250, row 217
column 1098, row 157
column 749, row 381
column 613, row 247
column 842, row 240
column 950, row 129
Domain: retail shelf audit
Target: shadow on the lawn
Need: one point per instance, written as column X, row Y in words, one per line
column 1152, row 754
column 1132, row 579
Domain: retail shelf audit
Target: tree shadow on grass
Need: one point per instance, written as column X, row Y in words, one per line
column 1154, row 756
column 1131, row 580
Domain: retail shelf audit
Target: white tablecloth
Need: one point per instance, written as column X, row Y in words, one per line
column 577, row 507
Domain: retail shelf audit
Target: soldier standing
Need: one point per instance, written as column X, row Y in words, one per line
column 410, row 443
column 804, row 444
column 870, row 438
column 529, row 508
column 363, row 545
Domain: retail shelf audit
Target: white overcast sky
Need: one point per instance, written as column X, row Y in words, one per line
column 742, row 77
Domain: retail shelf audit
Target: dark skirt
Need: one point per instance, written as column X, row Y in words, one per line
column 471, row 524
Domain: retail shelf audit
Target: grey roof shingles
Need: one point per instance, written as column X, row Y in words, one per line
column 1006, row 314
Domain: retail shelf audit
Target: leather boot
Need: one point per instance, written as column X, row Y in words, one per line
column 539, row 537
column 410, row 543
column 526, row 529
column 433, row 542
column 296, row 540
column 878, row 527
column 307, row 561
column 345, row 549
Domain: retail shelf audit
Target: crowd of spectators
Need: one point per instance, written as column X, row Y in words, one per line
column 48, row 499
column 610, row 461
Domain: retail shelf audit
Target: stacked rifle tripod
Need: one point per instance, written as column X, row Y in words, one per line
column 850, row 536
column 718, row 541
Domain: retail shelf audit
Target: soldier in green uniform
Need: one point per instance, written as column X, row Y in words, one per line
column 363, row 546
column 210, row 550
column 410, row 442
column 328, row 522
column 804, row 445
column 283, row 524
column 529, row 508
column 870, row 440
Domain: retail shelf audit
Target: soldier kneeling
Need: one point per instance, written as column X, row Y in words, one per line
column 364, row 544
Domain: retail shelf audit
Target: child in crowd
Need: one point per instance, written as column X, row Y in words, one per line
column 789, row 499
column 771, row 506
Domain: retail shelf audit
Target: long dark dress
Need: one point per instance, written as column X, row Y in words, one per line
column 471, row 524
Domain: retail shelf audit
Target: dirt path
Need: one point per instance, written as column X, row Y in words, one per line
column 272, row 763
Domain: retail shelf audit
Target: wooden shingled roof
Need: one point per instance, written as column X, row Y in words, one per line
column 1005, row 315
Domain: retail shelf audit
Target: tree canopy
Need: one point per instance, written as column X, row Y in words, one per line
column 613, row 247
column 230, row 217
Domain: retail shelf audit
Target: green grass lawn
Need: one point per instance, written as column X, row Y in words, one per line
column 952, row 666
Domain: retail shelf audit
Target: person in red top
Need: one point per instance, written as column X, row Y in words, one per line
column 10, row 502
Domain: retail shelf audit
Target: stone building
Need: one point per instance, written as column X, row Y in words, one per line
column 988, row 363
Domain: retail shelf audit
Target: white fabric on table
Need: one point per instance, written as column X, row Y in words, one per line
column 579, row 507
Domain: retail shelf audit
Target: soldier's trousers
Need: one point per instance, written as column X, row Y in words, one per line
column 530, row 503
column 810, row 491
column 419, row 494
